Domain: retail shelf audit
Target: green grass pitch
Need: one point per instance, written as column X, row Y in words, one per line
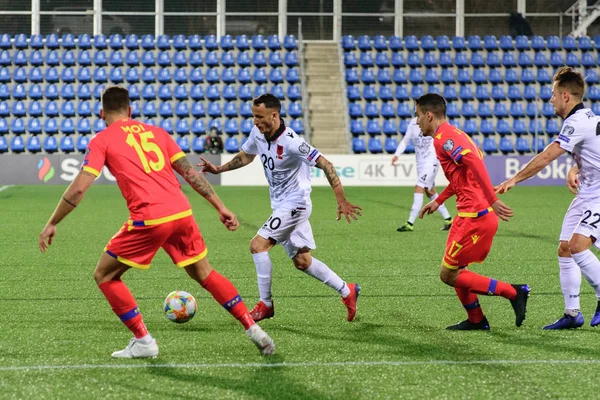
column 57, row 331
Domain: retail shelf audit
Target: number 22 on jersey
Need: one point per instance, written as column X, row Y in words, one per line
column 146, row 147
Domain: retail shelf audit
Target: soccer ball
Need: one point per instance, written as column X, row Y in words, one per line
column 179, row 306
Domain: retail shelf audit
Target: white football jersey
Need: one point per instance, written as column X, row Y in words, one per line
column 580, row 136
column 286, row 159
column 424, row 149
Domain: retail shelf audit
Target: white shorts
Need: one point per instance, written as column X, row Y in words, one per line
column 291, row 229
column 426, row 175
column 589, row 223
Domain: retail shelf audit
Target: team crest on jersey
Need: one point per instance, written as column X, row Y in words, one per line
column 568, row 130
column 449, row 145
column 279, row 152
column 304, row 148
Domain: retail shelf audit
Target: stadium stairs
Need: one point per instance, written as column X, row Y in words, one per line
column 325, row 102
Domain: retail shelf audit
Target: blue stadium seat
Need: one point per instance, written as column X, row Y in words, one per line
column 230, row 109
column 477, row 60
column 135, row 109
column 506, row 43
column 116, row 75
column 20, row 75
column 67, row 127
column 3, row 127
column 260, row 76
column 35, row 58
column 52, row 58
column 165, row 109
column 82, row 142
column 431, row 76
column 68, row 58
column 148, row 59
column 538, row 145
column 52, row 41
column 100, row 58
column 470, row 127
column 34, row 109
column 297, row 126
column 522, row 43
column 273, row 42
column 397, row 60
column 99, row 125
column 51, row 75
column 358, row 145
column 381, row 60
column 197, row 143
column 351, row 76
column 97, row 108
column 356, row 127
column 484, row 110
column 227, row 59
column 33, row 144
column 450, row 93
column 490, row 43
column 132, row 76
column 99, row 42
column 389, row 127
column 148, row 42
column 50, row 144
column 500, row 110
column 463, row 76
column 385, row 94
column 132, row 59
column 416, row 91
column 536, row 128
column 468, row 111
column 531, row 110
column 364, row 43
column 5, row 58
column 17, row 144
column 132, row 42
column 452, row 110
column 198, row 127
column 229, row 92
column 481, row 93
column 164, row 92
column 414, row 76
column 34, row 126
column 295, row 110
column 521, row 146
column 527, row 76
column 442, row 43
column 291, row 59
column 506, row 145
column 551, row 127
column 231, row 127
column 594, row 93
column 514, row 93
column 83, row 58
column 543, row 76
column 182, row 127
column 115, row 41
column 516, row 110
column 587, row 60
column 290, row 43
column 374, row 145
column 366, row 60
column 183, row 143
column 585, row 43
column 148, row 75
column 474, row 43
column 371, row 110
column 167, row 125
column 84, row 93
column 427, row 43
column 276, row 76
column 458, row 43
column 246, row 109
column 380, row 43
column 489, row 145
column 51, row 109
column 50, row 92
column 67, row 109
column 538, row 43
column 465, row 93
column 519, row 127
column 429, row 60
column 194, row 42
column 413, row 60
column 569, row 44
column 399, row 77
column 212, row 75
column 163, row 42
column 36, row 42
column 4, row 109
column 545, row 93
column 66, row 144
column 556, row 59
column 100, row 75
column 231, row 145
column 164, row 59
column 149, row 109
column 277, row 90
column 572, row 60
column 498, row 93
column 258, row 42
column 17, row 126
column 461, row 60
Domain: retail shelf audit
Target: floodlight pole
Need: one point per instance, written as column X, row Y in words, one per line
column 282, row 18
column 97, row 17
column 159, row 18
column 399, row 18
column 35, row 17
column 221, row 30
column 460, row 17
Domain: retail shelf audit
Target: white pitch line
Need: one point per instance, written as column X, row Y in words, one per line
column 2, row 188
column 299, row 364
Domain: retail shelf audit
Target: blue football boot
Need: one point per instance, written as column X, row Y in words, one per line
column 595, row 319
column 567, row 322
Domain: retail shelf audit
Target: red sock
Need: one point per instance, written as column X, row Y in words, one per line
column 227, row 295
column 123, row 304
column 483, row 285
column 469, row 301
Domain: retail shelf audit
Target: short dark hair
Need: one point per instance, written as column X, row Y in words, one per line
column 570, row 80
column 115, row 99
column 434, row 103
column 269, row 100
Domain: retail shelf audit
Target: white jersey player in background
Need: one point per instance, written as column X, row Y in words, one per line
column 286, row 159
column 581, row 225
column 427, row 168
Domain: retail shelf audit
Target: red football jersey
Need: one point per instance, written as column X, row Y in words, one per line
column 140, row 156
column 463, row 165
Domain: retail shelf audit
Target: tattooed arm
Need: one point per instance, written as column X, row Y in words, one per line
column 344, row 207
column 240, row 160
column 203, row 187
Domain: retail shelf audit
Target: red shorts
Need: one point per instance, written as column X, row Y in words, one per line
column 470, row 240
column 136, row 245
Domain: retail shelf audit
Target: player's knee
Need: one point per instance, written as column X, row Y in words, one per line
column 430, row 192
column 564, row 249
column 579, row 243
column 447, row 275
column 100, row 277
column 302, row 260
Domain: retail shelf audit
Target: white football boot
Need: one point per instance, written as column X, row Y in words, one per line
column 137, row 350
column 262, row 340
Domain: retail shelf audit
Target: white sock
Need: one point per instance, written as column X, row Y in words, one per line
column 590, row 268
column 145, row 339
column 264, row 275
column 441, row 209
column 570, row 283
column 322, row 272
column 416, row 207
